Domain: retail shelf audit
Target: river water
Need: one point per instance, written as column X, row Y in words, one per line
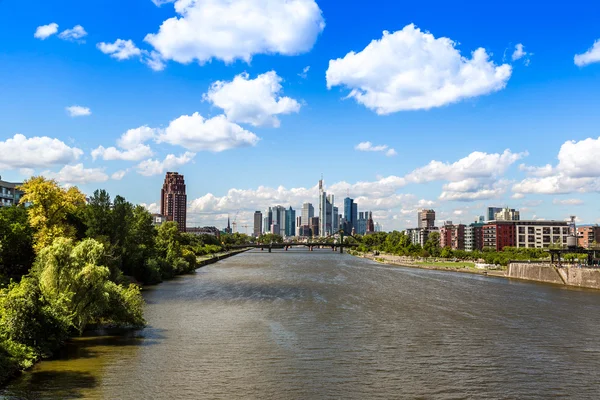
column 302, row 325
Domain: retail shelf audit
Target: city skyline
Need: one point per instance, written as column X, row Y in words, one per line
column 116, row 103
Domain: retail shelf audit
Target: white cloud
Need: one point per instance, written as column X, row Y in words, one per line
column 475, row 165
column 112, row 153
column 35, row 152
column 229, row 30
column 117, row 176
column 45, row 31
column 153, row 208
column 252, row 101
column 412, row 70
column 120, row 49
column 304, row 73
column 131, row 144
column 74, row 35
column 126, row 49
column 156, row 167
column 578, row 170
column 78, row 111
column 217, row 134
column 589, row 57
column 368, row 146
column 159, row 3
column 77, row 174
column 519, row 52
column 568, row 202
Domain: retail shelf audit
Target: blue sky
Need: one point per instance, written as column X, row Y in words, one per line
column 265, row 131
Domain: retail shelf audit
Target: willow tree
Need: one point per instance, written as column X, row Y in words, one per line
column 76, row 284
column 49, row 208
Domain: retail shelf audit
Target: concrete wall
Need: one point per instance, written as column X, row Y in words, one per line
column 570, row 276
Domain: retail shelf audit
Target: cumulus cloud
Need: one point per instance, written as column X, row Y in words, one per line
column 230, row 30
column 368, row 146
column 153, row 208
column 252, row 101
column 120, row 49
column 132, row 147
column 78, row 111
column 77, row 174
column 475, row 165
column 578, row 170
column 45, row 31
column 35, row 152
column 479, row 192
column 126, row 49
column 520, row 53
column 589, row 57
column 159, row 3
column 412, row 70
column 76, row 34
column 152, row 167
column 217, row 134
column 117, row 176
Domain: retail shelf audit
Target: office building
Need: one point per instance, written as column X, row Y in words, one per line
column 426, row 219
column 336, row 220
column 370, row 223
column 361, row 223
column 326, row 204
column 491, row 213
column 308, row 211
column 275, row 228
column 419, row 236
column 173, row 200
column 290, row 222
column 508, row 214
column 348, row 207
column 588, row 236
column 314, row 226
column 305, row 231
column 258, row 221
column 9, row 194
column 298, row 225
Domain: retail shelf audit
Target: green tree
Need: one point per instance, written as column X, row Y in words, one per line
column 16, row 242
column 77, row 286
column 432, row 246
column 50, row 208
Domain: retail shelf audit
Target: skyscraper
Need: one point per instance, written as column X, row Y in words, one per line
column 290, row 222
column 308, row 211
column 348, row 209
column 258, row 220
column 322, row 209
column 336, row 220
column 491, row 213
column 426, row 219
column 370, row 224
column 173, row 200
column 354, row 217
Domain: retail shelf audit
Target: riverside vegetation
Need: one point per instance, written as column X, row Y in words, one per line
column 67, row 264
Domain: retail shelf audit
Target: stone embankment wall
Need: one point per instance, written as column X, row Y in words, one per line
column 219, row 257
column 569, row 276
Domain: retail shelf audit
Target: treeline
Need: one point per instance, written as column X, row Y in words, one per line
column 67, row 263
column 399, row 243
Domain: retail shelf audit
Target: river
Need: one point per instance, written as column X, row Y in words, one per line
column 314, row 325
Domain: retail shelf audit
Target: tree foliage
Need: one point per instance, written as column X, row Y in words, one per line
column 16, row 242
column 50, row 208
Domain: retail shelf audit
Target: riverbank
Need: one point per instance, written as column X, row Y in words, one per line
column 401, row 261
column 9, row 369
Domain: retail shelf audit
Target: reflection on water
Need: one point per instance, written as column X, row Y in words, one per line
column 304, row 325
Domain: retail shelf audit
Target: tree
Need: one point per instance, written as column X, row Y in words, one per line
column 432, row 246
column 50, row 208
column 16, row 242
column 99, row 216
column 77, row 286
column 270, row 238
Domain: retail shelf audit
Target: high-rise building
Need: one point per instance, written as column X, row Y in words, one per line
column 268, row 220
column 173, row 200
column 298, row 225
column 354, row 222
column 336, row 220
column 258, row 221
column 474, row 236
column 491, row 213
column 362, row 223
column 348, row 203
column 314, row 226
column 9, row 194
column 452, row 236
column 308, row 211
column 290, row 222
column 588, row 236
column 507, row 214
column 278, row 218
column 370, row 224
column 326, row 203
column 426, row 219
